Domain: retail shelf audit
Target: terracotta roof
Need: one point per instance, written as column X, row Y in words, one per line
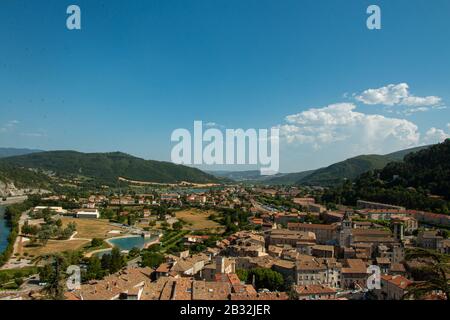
column 398, row 281
column 314, row 289
column 260, row 296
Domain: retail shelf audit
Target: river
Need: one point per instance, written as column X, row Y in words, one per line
column 4, row 230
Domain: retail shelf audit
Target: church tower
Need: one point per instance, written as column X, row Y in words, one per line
column 345, row 233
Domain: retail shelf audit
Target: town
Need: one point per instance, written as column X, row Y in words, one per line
column 227, row 242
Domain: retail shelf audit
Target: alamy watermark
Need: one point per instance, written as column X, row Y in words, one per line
column 73, row 21
column 74, row 279
column 235, row 147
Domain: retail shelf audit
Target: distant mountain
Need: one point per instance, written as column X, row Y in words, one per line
column 106, row 168
column 353, row 168
column 237, row 175
column 11, row 152
column 255, row 177
column 288, row 178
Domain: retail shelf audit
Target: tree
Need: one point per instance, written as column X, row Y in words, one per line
column 242, row 274
column 117, row 261
column 437, row 269
column 44, row 235
column 94, row 269
column 151, row 259
column 54, row 276
column 106, row 261
column 96, row 242
column 134, row 252
column 177, row 226
column 266, row 279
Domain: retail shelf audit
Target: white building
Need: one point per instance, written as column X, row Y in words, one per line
column 59, row 210
column 87, row 214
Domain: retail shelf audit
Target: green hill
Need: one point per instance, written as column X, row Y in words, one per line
column 400, row 155
column 21, row 177
column 107, row 167
column 421, row 181
column 345, row 170
column 354, row 167
column 330, row 176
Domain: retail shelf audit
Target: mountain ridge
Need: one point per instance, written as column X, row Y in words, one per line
column 107, row 167
column 331, row 175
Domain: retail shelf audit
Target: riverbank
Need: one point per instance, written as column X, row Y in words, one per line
column 15, row 214
column 13, row 200
column 4, row 229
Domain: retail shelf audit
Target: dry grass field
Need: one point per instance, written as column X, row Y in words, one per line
column 55, row 246
column 90, row 228
column 197, row 220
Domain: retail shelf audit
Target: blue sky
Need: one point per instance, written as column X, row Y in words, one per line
column 140, row 69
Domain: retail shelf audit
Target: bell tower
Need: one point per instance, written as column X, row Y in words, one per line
column 345, row 232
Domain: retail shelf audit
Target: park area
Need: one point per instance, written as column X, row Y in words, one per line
column 92, row 228
column 54, row 246
column 198, row 220
column 86, row 230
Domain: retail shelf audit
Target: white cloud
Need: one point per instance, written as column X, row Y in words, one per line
column 8, row 126
column 340, row 124
column 421, row 101
column 33, row 134
column 434, row 135
column 396, row 94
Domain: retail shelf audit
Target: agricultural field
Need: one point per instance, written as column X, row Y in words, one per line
column 198, row 220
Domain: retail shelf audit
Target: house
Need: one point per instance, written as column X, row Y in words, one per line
column 324, row 232
column 290, row 237
column 262, row 296
column 354, row 274
column 183, row 266
column 318, row 271
column 170, row 197
column 393, row 287
column 429, row 240
column 309, row 271
column 127, row 284
column 315, row 292
column 410, row 224
column 169, row 288
column 322, row 251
